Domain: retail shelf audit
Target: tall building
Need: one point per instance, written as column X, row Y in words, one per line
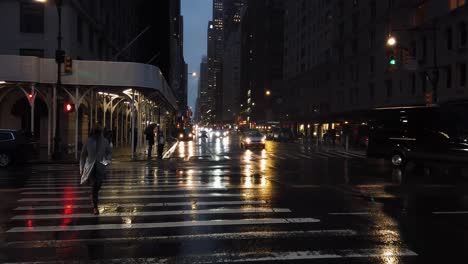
column 178, row 75
column 203, row 104
column 231, row 60
column 262, row 60
column 215, row 55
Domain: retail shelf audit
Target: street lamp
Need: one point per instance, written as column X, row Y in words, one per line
column 194, row 74
column 267, row 92
column 59, row 58
column 391, row 41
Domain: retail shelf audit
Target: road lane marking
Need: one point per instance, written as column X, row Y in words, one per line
column 350, row 213
column 210, row 195
column 450, row 213
column 357, row 155
column 258, row 210
column 264, row 221
column 132, row 205
column 312, row 255
column 217, row 236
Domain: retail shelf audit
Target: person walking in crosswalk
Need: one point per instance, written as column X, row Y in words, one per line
column 95, row 156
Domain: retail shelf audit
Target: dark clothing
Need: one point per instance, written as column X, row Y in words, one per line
column 150, row 138
column 96, row 182
column 161, row 141
column 160, row 151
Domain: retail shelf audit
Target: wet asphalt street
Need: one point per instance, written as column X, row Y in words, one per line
column 212, row 202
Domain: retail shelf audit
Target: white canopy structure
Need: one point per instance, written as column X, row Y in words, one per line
column 87, row 73
column 142, row 86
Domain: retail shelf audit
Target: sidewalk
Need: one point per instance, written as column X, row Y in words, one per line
column 328, row 147
column 118, row 154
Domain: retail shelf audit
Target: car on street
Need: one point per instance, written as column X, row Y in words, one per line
column 252, row 138
column 16, row 146
column 282, row 134
column 186, row 135
column 420, row 135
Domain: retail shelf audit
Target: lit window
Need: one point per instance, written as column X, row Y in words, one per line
column 454, row 4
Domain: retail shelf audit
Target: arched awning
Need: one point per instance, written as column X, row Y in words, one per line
column 145, row 77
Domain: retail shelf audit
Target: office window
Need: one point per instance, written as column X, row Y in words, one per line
column 373, row 8
column 371, row 65
column 389, row 87
column 372, row 38
column 355, row 22
column 423, row 82
column 424, row 48
column 454, row 4
column 32, row 52
column 31, row 17
column 91, row 39
column 448, row 76
column 463, row 35
column 462, row 74
column 413, row 84
column 79, row 29
column 371, row 91
column 449, row 37
column 355, row 47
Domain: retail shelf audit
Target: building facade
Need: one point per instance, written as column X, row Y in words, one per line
column 203, row 104
column 337, row 60
column 92, row 31
column 262, row 61
column 231, row 60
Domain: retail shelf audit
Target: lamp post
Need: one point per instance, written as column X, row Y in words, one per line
column 59, row 58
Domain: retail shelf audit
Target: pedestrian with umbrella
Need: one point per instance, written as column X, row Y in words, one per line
column 95, row 157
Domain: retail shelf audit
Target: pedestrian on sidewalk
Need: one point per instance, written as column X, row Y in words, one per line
column 95, row 156
column 161, row 142
column 149, row 132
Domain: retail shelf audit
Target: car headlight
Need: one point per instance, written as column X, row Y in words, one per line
column 263, row 139
column 248, row 140
column 218, row 134
column 190, row 135
column 181, row 135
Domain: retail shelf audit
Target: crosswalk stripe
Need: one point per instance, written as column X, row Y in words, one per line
column 155, row 213
column 204, row 195
column 217, row 236
column 141, row 190
column 194, row 179
column 132, row 205
column 264, row 221
column 352, row 154
column 114, row 182
column 139, row 187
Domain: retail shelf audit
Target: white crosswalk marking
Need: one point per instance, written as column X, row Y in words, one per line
column 187, row 207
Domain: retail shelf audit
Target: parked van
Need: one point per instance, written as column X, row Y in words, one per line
column 420, row 134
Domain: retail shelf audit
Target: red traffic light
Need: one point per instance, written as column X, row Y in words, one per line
column 69, row 107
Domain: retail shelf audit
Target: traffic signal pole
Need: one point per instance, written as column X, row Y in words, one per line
column 58, row 86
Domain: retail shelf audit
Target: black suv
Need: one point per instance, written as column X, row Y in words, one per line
column 438, row 134
column 15, row 145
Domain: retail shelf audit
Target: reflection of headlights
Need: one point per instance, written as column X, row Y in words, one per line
column 218, row 134
column 248, row 140
column 181, row 135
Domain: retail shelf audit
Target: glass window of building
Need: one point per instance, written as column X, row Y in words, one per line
column 31, row 17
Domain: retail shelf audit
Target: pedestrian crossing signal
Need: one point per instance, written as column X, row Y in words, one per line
column 68, row 65
column 68, row 107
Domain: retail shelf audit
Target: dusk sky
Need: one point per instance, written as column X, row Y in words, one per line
column 196, row 14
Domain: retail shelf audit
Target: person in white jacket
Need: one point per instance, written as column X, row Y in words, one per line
column 95, row 156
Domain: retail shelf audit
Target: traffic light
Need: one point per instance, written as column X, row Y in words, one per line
column 68, row 69
column 392, row 60
column 68, row 107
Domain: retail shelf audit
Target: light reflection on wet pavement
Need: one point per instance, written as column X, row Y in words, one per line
column 212, row 202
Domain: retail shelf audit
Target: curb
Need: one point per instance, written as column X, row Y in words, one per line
column 170, row 150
